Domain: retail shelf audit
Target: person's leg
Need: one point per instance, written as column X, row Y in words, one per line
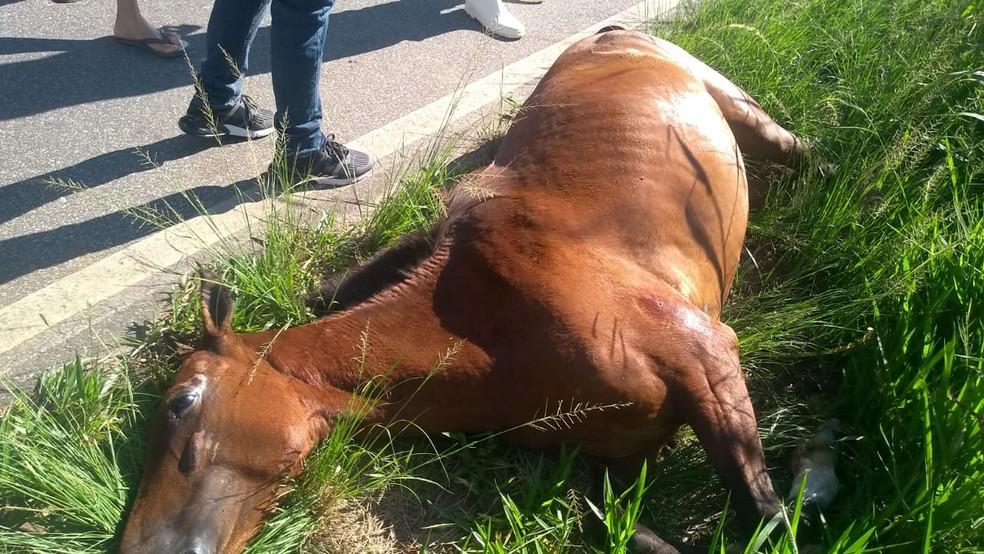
column 297, row 47
column 231, row 30
column 130, row 25
column 219, row 107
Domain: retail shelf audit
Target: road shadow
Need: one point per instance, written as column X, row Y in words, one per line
column 23, row 196
column 54, row 246
column 81, row 71
column 51, row 247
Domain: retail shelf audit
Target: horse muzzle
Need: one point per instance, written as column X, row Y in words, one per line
column 171, row 540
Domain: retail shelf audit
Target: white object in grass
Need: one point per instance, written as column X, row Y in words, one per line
column 816, row 461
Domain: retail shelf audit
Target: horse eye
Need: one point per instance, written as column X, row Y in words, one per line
column 180, row 404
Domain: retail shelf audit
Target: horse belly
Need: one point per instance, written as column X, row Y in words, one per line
column 600, row 390
column 602, row 436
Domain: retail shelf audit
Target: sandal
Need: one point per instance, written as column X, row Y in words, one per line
column 145, row 43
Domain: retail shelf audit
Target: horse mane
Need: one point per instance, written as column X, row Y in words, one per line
column 384, row 270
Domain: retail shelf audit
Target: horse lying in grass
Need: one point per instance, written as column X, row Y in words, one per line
column 587, row 264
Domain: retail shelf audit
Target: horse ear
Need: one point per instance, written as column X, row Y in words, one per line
column 217, row 304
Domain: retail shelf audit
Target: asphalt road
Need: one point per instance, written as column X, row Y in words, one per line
column 78, row 108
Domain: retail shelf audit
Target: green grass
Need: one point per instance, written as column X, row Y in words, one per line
column 860, row 298
column 891, row 243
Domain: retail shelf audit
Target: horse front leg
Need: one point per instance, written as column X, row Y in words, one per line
column 716, row 404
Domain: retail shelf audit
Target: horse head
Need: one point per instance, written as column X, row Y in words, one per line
column 225, row 434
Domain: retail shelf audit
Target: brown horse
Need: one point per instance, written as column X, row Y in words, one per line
column 587, row 264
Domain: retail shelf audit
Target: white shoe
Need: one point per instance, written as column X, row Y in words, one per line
column 495, row 18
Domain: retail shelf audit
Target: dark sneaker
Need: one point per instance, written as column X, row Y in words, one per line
column 333, row 165
column 244, row 120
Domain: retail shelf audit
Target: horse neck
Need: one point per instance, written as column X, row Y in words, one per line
column 394, row 337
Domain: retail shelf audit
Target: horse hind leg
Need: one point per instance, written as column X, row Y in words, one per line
column 761, row 140
column 758, row 135
column 769, row 149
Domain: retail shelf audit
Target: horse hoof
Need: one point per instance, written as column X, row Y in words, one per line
column 644, row 541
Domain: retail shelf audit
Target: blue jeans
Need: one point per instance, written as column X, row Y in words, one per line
column 297, row 39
